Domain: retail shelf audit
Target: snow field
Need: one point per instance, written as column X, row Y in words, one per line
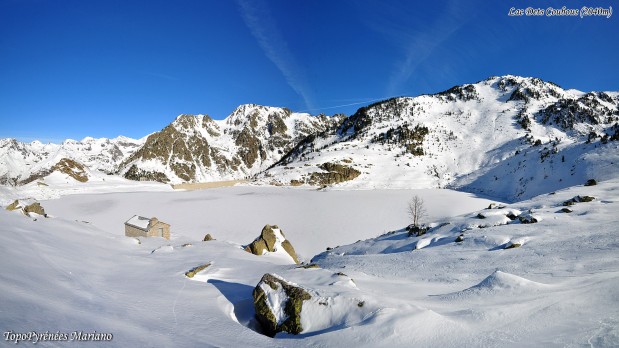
column 559, row 288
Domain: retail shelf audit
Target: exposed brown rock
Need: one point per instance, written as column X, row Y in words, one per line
column 290, row 250
column 34, row 208
column 266, row 243
column 13, row 206
column 72, row 169
column 192, row 272
column 335, row 173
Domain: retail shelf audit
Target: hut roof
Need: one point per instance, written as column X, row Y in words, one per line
column 138, row 222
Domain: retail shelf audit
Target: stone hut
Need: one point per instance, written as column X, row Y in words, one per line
column 139, row 226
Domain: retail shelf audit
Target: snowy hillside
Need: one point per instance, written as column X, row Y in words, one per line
column 508, row 137
column 22, row 163
column 490, row 277
column 200, row 149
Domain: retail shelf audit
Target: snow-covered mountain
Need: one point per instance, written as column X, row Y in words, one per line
column 198, row 148
column 190, row 149
column 509, row 137
column 22, row 163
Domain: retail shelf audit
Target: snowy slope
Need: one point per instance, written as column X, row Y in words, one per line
column 559, row 288
column 21, row 163
column 509, row 137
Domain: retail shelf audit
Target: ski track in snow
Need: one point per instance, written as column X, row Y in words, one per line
column 175, row 300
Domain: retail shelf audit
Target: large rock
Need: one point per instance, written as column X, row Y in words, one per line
column 270, row 240
column 269, row 237
column 34, row 208
column 290, row 250
column 278, row 305
column 14, row 206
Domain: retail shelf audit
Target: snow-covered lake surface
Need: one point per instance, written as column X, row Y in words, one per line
column 76, row 271
column 312, row 220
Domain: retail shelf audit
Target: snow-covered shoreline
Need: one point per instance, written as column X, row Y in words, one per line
column 312, row 219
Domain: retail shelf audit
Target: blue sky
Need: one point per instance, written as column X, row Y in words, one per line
column 103, row 68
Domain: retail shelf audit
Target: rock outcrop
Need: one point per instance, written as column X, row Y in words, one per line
column 14, row 206
column 270, row 240
column 334, row 173
column 278, row 305
column 27, row 208
column 192, row 272
column 34, row 208
column 71, row 168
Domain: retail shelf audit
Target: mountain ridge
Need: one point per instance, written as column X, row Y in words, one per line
column 474, row 137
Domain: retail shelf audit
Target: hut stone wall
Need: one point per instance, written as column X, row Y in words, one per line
column 131, row 231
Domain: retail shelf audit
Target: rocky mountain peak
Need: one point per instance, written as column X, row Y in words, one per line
column 197, row 148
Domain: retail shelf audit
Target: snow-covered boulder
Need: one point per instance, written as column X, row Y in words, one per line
column 272, row 240
column 278, row 304
column 528, row 218
column 578, row 199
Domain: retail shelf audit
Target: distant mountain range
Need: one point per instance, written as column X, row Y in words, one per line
column 508, row 136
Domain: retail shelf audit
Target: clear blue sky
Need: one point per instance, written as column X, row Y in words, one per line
column 103, row 68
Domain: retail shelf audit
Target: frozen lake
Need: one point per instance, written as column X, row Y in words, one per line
column 312, row 220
